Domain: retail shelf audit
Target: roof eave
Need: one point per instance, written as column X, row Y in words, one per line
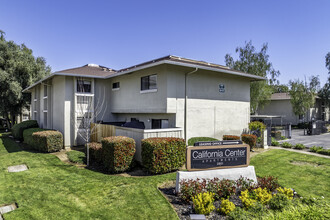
column 60, row 74
column 252, row 77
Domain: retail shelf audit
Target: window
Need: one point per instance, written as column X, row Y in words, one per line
column 115, row 86
column 45, row 90
column 35, row 115
column 149, row 82
column 45, row 119
column 84, row 86
column 83, row 122
column 159, row 123
column 45, row 104
column 84, row 100
column 35, row 93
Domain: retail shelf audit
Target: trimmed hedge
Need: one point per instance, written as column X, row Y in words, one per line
column 27, row 135
column 163, row 155
column 193, row 140
column 95, row 152
column 17, row 130
column 117, row 153
column 249, row 139
column 230, row 137
column 47, row 141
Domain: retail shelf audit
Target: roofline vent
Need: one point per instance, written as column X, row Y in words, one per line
column 93, row 65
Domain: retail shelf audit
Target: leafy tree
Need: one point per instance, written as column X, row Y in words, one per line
column 303, row 94
column 280, row 88
column 324, row 93
column 18, row 70
column 256, row 63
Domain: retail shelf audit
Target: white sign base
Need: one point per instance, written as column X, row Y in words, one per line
column 230, row 173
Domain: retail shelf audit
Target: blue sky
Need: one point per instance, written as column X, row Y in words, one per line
column 119, row 34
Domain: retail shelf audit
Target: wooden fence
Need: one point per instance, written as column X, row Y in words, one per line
column 100, row 131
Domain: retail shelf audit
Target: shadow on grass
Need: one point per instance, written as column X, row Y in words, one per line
column 10, row 145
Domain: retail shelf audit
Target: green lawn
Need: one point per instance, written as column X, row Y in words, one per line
column 308, row 175
column 51, row 189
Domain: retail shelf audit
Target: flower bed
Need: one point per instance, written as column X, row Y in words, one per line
column 227, row 199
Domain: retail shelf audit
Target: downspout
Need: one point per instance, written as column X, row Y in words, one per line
column 185, row 102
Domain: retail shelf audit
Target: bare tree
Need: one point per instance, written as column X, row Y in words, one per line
column 87, row 112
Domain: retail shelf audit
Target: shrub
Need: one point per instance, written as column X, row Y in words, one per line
column 221, row 188
column 47, row 141
column 95, row 152
column 249, row 139
column 76, row 157
column 117, row 153
column 27, row 135
column 257, row 126
column 244, row 183
column 18, row 129
column 286, row 145
column 275, row 142
column 285, row 191
column 226, row 206
column 299, row 146
column 315, row 149
column 240, row 214
column 263, row 195
column 278, row 202
column 268, row 182
column 193, row 140
column 163, row 155
column 276, row 134
column 203, row 203
column 283, row 138
column 230, row 137
column 191, row 188
column 247, row 201
column 324, row 151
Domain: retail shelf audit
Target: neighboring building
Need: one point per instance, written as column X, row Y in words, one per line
column 207, row 99
column 280, row 105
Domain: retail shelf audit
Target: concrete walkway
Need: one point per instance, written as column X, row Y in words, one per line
column 301, row 151
column 298, row 137
column 61, row 155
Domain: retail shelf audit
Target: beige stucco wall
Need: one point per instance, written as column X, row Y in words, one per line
column 129, row 99
column 280, row 108
column 210, row 113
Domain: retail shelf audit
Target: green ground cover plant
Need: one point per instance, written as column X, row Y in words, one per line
column 193, row 140
column 286, row 145
column 75, row 156
column 275, row 142
column 51, row 189
column 299, row 146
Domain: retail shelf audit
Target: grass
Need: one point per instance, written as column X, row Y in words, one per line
column 308, row 175
column 51, row 189
column 75, row 156
column 193, row 140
